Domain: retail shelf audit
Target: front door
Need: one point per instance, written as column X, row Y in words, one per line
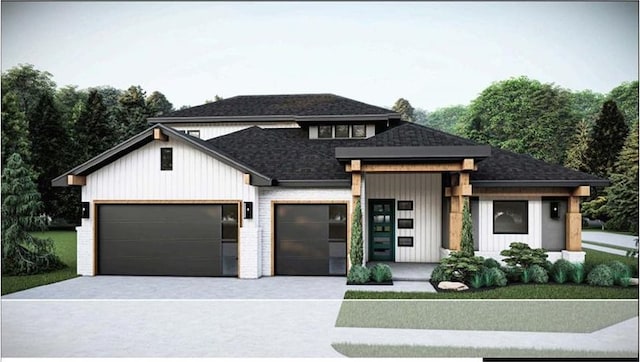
column 381, row 230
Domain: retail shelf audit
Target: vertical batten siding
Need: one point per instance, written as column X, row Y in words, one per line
column 425, row 190
column 212, row 130
column 195, row 176
column 494, row 243
column 307, row 195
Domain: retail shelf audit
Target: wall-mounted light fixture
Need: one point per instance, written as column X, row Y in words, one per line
column 555, row 210
column 248, row 210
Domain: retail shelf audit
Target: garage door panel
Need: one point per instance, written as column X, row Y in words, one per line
column 304, row 239
column 153, row 239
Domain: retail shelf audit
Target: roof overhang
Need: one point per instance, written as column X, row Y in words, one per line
column 427, row 153
column 314, row 183
column 279, row 118
column 144, row 138
column 539, row 183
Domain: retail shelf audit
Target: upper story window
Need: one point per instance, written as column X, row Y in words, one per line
column 166, row 159
column 325, row 131
column 338, row 131
column 342, row 131
column 358, row 131
column 194, row 133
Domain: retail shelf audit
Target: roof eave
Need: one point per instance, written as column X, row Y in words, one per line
column 314, row 183
column 539, row 183
column 278, row 118
column 423, row 153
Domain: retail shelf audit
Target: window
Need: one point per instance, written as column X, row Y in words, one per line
column 405, row 223
column 194, row 133
column 358, row 131
column 166, row 159
column 342, row 131
column 510, row 217
column 405, row 205
column 325, row 131
column 405, row 240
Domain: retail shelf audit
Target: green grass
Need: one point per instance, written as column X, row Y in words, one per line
column 597, row 228
column 569, row 316
column 604, row 245
column 65, row 244
column 408, row 351
column 595, row 257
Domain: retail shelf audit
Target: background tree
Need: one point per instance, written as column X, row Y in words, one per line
column 15, row 130
column 622, row 195
column 215, row 99
column 158, row 104
column 93, row 130
column 577, row 153
column 28, row 84
column 523, row 116
column 447, row 119
column 132, row 113
column 405, row 109
column 626, row 97
column 607, row 137
column 22, row 253
column 586, row 104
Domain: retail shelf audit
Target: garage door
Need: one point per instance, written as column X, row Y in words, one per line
column 310, row 239
column 176, row 240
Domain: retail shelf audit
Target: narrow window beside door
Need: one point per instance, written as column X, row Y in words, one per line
column 166, row 159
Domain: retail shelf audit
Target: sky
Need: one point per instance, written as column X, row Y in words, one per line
column 434, row 54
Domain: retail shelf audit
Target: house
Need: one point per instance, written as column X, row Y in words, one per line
column 255, row 186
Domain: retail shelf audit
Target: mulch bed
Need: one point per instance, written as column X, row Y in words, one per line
column 372, row 283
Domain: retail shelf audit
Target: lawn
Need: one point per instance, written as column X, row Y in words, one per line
column 595, row 257
column 569, row 316
column 408, row 351
column 65, row 244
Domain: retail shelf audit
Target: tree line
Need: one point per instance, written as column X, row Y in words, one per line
column 585, row 130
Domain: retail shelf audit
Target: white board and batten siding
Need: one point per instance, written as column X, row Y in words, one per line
column 213, row 130
column 494, row 243
column 137, row 177
column 268, row 195
column 425, row 190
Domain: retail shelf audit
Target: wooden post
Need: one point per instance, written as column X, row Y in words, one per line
column 573, row 226
column 460, row 187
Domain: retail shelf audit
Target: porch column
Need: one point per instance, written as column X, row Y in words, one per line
column 573, row 227
column 460, row 187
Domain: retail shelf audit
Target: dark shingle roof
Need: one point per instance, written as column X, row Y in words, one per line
column 281, row 105
column 289, row 154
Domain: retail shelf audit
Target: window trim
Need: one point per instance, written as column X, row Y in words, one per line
column 525, row 217
column 163, row 162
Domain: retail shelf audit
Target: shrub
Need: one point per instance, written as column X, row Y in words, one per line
column 624, row 282
column 476, row 281
column 358, row 274
column 381, row 273
column 561, row 271
column 491, row 263
column 487, row 277
column 498, row 277
column 539, row 274
column 439, row 274
column 577, row 274
column 512, row 274
column 466, row 241
column 600, row 275
column 548, row 266
column 521, row 255
column 460, row 266
column 525, row 276
column 356, row 252
column 619, row 270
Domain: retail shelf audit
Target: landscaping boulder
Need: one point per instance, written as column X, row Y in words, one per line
column 456, row 286
column 633, row 281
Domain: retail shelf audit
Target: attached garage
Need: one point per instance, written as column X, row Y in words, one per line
column 167, row 239
column 310, row 239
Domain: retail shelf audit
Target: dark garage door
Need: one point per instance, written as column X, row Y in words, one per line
column 176, row 240
column 310, row 239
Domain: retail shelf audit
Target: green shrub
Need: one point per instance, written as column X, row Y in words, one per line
column 491, row 263
column 439, row 274
column 512, row 274
column 624, row 282
column 476, row 281
column 498, row 277
column 548, row 266
column 381, row 273
column 600, row 275
column 487, row 276
column 539, row 274
column 521, row 255
column 577, row 274
column 619, row 270
column 358, row 274
column 460, row 266
column 561, row 271
column 356, row 252
column 525, row 276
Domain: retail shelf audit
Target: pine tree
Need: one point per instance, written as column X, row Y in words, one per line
column 132, row 113
column 622, row 195
column 577, row 153
column 15, row 130
column 93, row 131
column 405, row 109
column 158, row 104
column 607, row 137
column 466, row 242
column 22, row 253
column 356, row 252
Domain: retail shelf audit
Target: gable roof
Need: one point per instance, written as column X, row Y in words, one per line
column 278, row 107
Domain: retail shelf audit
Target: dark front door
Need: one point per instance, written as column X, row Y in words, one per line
column 381, row 230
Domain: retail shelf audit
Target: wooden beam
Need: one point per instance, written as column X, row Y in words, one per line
column 581, row 191
column 468, row 165
column 464, row 190
column 355, row 184
column 573, row 205
column 247, row 179
column 74, row 180
column 447, row 192
column 159, row 136
column 573, row 231
column 355, row 165
column 522, row 191
column 463, row 179
column 411, row 167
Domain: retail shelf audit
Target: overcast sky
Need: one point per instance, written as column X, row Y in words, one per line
column 434, row 54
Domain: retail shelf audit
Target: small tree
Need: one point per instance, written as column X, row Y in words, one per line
column 466, row 243
column 22, row 253
column 355, row 254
